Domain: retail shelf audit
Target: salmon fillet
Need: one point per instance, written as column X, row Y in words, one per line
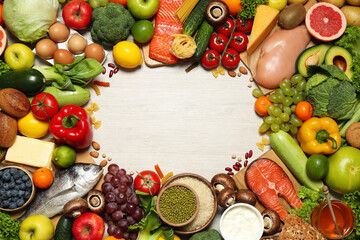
column 268, row 181
column 166, row 25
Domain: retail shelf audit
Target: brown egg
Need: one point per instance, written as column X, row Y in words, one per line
column 46, row 48
column 59, row 32
column 63, row 56
column 76, row 44
column 95, row 51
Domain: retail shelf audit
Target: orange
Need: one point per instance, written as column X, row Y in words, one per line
column 43, row 178
column 304, row 110
column 234, row 6
column 122, row 2
column 261, row 105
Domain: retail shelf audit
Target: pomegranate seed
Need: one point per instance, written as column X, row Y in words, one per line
column 250, row 153
column 238, row 164
column 246, row 155
column 111, row 65
column 236, row 167
column 111, row 73
column 104, row 71
column 230, row 173
column 228, row 169
column 245, row 163
column 116, row 70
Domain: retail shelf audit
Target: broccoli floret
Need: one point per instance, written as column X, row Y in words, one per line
column 350, row 40
column 111, row 24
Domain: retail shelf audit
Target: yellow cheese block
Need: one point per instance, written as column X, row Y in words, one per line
column 264, row 21
column 32, row 152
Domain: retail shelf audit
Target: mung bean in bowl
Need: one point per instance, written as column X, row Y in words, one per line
column 177, row 204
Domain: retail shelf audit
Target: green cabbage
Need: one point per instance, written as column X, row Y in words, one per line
column 29, row 20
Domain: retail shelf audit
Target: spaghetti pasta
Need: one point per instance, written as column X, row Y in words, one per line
column 185, row 9
column 183, row 46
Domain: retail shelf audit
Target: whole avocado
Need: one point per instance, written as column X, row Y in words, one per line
column 211, row 234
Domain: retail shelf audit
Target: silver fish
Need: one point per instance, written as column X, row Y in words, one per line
column 70, row 183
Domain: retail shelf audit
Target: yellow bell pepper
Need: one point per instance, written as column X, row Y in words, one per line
column 319, row 135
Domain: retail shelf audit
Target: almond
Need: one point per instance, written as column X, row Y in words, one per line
column 14, row 102
column 243, row 70
column 94, row 154
column 103, row 163
column 232, row 73
column 96, row 146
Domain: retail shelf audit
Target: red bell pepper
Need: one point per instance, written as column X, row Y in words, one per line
column 72, row 125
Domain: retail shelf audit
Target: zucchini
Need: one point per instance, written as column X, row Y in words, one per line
column 64, row 229
column 28, row 81
column 294, row 158
column 202, row 39
column 195, row 18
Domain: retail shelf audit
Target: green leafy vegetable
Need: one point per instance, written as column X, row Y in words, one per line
column 248, row 9
column 211, row 234
column 4, row 67
column 9, row 227
column 310, row 199
column 353, row 200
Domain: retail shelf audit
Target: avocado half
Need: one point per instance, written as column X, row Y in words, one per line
column 311, row 56
column 340, row 57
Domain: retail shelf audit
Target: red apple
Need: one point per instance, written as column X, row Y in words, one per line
column 89, row 226
column 77, row 14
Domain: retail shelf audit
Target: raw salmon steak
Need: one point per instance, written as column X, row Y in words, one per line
column 268, row 181
column 166, row 25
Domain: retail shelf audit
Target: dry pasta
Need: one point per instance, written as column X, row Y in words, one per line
column 183, row 46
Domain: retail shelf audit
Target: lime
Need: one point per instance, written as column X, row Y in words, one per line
column 64, row 156
column 317, row 166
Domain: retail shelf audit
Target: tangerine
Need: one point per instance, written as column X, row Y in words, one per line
column 234, row 6
column 122, row 2
column 43, row 178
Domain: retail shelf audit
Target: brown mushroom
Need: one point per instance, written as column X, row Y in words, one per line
column 246, row 196
column 217, row 12
column 74, row 208
column 221, row 181
column 226, row 197
column 271, row 222
column 96, row 201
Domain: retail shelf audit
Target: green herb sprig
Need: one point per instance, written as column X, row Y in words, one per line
column 9, row 227
column 248, row 9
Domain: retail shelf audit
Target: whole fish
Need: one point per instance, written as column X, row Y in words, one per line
column 70, row 183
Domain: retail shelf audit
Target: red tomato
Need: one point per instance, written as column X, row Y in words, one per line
column 218, row 42
column 239, row 41
column 230, row 59
column 227, row 27
column 244, row 26
column 148, row 182
column 210, row 59
column 44, row 106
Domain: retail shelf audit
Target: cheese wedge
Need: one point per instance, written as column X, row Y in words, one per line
column 264, row 21
column 32, row 152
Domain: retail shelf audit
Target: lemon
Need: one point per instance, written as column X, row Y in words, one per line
column 64, row 156
column 127, row 54
column 317, row 166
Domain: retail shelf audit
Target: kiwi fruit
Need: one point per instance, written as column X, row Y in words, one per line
column 292, row 16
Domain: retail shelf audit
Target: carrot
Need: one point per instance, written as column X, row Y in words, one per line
column 158, row 170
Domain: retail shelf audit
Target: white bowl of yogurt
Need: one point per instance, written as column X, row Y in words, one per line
column 241, row 221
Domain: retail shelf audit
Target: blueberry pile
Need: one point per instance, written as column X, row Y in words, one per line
column 15, row 188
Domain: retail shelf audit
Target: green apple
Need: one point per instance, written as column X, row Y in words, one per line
column 143, row 9
column 344, row 170
column 36, row 227
column 19, row 56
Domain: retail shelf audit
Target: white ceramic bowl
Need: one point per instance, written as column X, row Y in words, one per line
column 241, row 221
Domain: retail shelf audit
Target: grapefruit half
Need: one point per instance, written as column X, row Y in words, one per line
column 325, row 21
column 3, row 40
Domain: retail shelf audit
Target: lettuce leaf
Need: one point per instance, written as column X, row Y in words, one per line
column 353, row 200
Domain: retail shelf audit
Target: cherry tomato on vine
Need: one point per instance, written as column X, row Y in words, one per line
column 304, row 110
column 210, row 59
column 147, row 182
column 244, row 26
column 44, row 106
column 239, row 41
column 218, row 42
column 230, row 59
column 227, row 27
column 261, row 105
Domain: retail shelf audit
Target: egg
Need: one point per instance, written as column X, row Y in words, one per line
column 59, row 32
column 76, row 44
column 45, row 48
column 95, row 51
column 63, row 56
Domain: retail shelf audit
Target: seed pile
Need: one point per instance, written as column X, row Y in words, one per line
column 177, row 204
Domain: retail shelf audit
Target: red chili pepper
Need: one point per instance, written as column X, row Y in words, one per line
column 72, row 125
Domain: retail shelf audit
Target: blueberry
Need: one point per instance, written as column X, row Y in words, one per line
column 25, row 178
column 17, row 187
column 6, row 186
column 21, row 173
column 27, row 195
column 1, row 173
column 21, row 193
column 18, row 181
column 2, row 191
column 8, row 193
column 12, row 205
column 13, row 171
column 22, row 186
column 12, row 185
column 1, row 183
column 6, row 176
column 5, row 203
column 20, row 202
column 15, row 192
column 28, row 184
column 16, row 176
column 14, row 199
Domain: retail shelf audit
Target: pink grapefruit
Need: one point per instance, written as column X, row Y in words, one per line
column 3, row 40
column 325, row 21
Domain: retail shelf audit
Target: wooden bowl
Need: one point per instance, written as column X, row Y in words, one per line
column 32, row 192
column 163, row 190
column 181, row 230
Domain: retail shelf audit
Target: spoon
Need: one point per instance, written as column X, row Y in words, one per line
column 338, row 230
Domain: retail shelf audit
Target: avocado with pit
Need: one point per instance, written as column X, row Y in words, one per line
column 340, row 57
column 311, row 56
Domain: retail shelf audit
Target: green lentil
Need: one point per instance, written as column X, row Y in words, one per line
column 177, row 204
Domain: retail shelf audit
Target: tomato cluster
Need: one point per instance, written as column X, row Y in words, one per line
column 226, row 43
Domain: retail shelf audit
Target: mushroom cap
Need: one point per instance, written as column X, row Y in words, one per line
column 226, row 197
column 74, row 208
column 245, row 196
column 221, row 181
column 96, row 201
column 217, row 12
column 271, row 222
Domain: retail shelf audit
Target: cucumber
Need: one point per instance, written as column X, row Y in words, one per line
column 195, row 18
column 78, row 97
column 294, row 158
column 28, row 81
column 63, row 229
column 202, row 39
